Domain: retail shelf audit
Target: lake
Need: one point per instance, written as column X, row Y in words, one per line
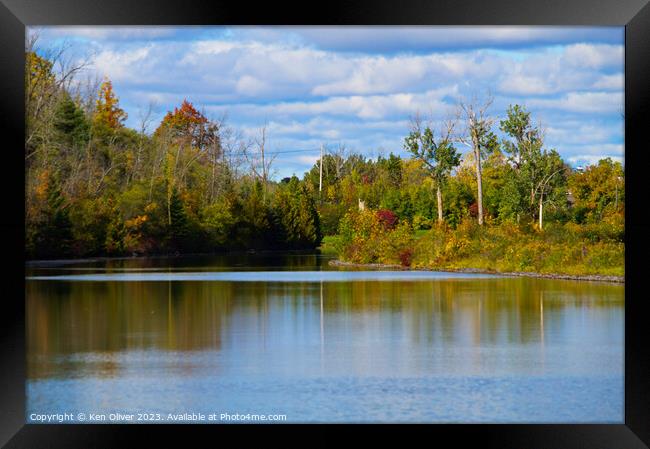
column 286, row 334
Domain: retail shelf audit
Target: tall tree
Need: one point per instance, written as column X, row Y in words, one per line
column 480, row 138
column 107, row 110
column 51, row 236
column 547, row 174
column 438, row 155
column 191, row 127
column 70, row 122
column 259, row 159
column 524, row 137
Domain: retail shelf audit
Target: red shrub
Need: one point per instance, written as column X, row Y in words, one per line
column 387, row 218
column 473, row 210
column 405, row 257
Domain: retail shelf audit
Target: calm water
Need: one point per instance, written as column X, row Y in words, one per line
column 287, row 334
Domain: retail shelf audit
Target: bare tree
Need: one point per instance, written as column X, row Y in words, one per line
column 234, row 148
column 479, row 137
column 259, row 159
column 339, row 155
column 146, row 118
column 47, row 76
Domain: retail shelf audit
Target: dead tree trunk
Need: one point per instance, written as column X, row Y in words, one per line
column 541, row 210
column 479, row 184
column 439, row 198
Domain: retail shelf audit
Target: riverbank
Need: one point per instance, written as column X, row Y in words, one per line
column 379, row 266
column 560, row 251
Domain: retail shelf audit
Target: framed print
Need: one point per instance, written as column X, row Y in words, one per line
column 426, row 213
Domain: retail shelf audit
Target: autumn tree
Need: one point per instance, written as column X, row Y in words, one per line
column 598, row 191
column 189, row 136
column 297, row 215
column 186, row 125
column 107, row 111
column 40, row 92
column 51, row 234
column 48, row 73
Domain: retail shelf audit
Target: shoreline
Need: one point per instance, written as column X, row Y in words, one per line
column 569, row 277
column 34, row 263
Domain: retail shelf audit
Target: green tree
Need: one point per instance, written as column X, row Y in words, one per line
column 297, row 215
column 438, row 156
column 179, row 227
column 546, row 174
column 524, row 137
column 115, row 232
column 598, row 191
column 52, row 236
column 71, row 124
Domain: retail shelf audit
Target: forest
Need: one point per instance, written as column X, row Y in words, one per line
column 480, row 190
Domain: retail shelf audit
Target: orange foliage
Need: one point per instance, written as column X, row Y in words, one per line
column 43, row 184
column 187, row 123
column 107, row 110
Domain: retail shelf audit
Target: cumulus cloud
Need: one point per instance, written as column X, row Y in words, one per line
column 382, row 39
column 309, row 160
column 588, row 102
column 359, row 85
column 590, row 159
column 109, row 32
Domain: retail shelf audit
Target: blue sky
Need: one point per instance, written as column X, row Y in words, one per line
column 358, row 86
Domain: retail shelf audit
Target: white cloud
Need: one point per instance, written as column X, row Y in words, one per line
column 593, row 56
column 107, row 32
column 589, row 159
column 359, row 85
column 119, row 66
column 583, row 132
column 416, row 38
column 610, row 82
column 248, row 86
column 309, row 160
column 370, row 107
column 571, row 68
column 588, row 102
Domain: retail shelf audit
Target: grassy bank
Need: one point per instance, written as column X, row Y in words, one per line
column 568, row 249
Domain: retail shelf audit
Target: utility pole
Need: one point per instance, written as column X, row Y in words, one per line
column 320, row 181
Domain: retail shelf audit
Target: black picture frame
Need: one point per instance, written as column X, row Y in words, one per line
column 633, row 14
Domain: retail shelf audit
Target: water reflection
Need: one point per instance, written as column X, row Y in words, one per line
column 74, row 317
column 425, row 349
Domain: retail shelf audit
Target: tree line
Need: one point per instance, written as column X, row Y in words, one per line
column 194, row 184
column 97, row 187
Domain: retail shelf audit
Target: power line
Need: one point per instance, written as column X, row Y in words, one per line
column 281, row 151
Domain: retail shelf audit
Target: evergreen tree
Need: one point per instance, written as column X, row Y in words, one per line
column 179, row 229
column 70, row 122
column 52, row 236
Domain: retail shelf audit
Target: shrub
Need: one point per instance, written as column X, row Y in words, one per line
column 387, row 218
